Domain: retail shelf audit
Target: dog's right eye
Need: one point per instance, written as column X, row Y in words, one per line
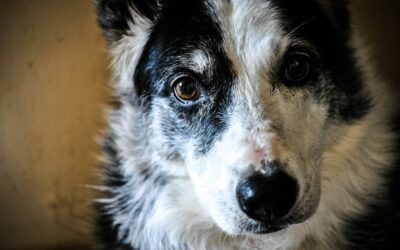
column 186, row 89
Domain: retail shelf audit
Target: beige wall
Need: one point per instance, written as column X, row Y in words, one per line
column 53, row 78
column 53, row 74
column 379, row 22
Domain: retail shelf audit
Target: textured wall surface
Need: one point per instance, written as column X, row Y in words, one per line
column 379, row 23
column 53, row 78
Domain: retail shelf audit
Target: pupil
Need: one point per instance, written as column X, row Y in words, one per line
column 297, row 69
column 187, row 88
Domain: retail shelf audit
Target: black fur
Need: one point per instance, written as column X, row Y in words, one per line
column 114, row 15
column 183, row 27
column 106, row 233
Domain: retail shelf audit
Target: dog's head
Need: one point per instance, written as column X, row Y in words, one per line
column 242, row 97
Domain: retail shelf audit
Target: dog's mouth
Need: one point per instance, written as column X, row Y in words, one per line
column 297, row 215
column 261, row 202
column 263, row 228
column 260, row 227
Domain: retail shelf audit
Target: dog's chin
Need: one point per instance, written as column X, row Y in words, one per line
column 249, row 226
column 268, row 228
column 254, row 228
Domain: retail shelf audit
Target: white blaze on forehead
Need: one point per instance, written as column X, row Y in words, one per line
column 254, row 40
column 250, row 29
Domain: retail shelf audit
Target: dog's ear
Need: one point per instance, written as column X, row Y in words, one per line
column 337, row 12
column 117, row 17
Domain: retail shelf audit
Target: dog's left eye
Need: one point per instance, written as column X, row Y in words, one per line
column 297, row 67
column 186, row 89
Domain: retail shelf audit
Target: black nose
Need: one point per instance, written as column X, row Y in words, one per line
column 267, row 197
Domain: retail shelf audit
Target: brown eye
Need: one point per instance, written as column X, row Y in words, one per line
column 186, row 89
column 297, row 67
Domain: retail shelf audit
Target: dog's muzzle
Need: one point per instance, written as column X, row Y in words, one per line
column 268, row 196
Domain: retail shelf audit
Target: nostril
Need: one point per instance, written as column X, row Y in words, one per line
column 267, row 197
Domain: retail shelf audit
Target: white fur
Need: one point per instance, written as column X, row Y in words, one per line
column 125, row 54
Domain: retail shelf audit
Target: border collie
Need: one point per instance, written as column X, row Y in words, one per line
column 245, row 124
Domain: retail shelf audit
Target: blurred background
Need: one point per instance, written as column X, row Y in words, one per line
column 53, row 90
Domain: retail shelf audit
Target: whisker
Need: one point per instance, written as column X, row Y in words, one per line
column 299, row 26
column 246, row 239
column 220, row 242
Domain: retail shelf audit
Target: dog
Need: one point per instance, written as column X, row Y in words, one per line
column 245, row 124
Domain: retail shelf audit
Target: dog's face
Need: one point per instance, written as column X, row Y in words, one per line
column 241, row 97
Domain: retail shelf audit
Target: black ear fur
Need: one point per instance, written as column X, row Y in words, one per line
column 338, row 13
column 115, row 15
